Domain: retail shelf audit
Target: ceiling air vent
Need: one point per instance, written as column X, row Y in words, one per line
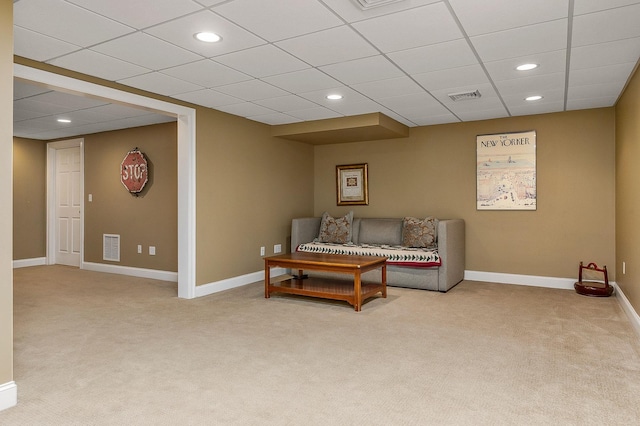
column 368, row 4
column 464, row 96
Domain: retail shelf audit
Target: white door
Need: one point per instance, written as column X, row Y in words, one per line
column 68, row 201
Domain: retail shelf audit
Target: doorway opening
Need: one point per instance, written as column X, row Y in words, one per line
column 186, row 156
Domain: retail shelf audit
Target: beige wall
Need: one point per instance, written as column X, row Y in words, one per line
column 6, row 210
column 433, row 173
column 29, row 198
column 249, row 186
column 628, row 191
column 151, row 219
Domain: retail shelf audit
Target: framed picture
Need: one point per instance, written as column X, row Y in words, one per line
column 506, row 171
column 352, row 184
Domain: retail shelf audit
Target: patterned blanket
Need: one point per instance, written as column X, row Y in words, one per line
column 396, row 255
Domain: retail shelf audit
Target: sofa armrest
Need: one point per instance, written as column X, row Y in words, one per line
column 451, row 247
column 304, row 230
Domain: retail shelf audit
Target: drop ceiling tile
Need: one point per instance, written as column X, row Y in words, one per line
column 414, row 105
column 482, row 114
column 275, row 119
column 87, row 28
column 534, row 83
column 163, row 84
column 549, row 63
column 116, row 111
column 318, row 113
column 605, row 90
column 589, row 103
column 609, row 25
column 181, row 33
column 515, row 43
column 262, row 61
column 20, row 114
column 93, row 63
column 602, row 54
column 444, row 79
column 67, row 100
column 206, row 73
column 319, row 48
column 410, row 28
column 302, row 81
column 140, row 13
column 208, row 98
column 601, row 75
column 208, row 3
column 487, row 16
column 440, row 56
column 39, row 47
column 544, row 108
column 146, row 51
column 363, row 70
column 286, row 103
column 252, row 90
column 276, row 20
column 419, row 114
column 26, row 90
column 348, row 10
column 587, row 6
column 365, row 106
column 517, row 101
column 246, row 109
column 388, row 88
column 320, row 96
column 431, row 120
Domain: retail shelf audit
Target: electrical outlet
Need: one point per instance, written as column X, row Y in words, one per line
column 139, row 248
column 152, row 250
column 262, row 251
column 277, row 248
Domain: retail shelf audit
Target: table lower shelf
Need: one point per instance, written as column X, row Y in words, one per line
column 326, row 288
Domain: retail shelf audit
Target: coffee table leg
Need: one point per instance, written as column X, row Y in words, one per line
column 357, row 296
column 267, row 279
column 384, row 280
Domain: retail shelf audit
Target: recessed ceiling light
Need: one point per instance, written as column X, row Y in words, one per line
column 526, row 67
column 533, row 98
column 334, row 97
column 64, row 120
column 208, row 37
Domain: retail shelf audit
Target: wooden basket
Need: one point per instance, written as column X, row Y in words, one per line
column 593, row 281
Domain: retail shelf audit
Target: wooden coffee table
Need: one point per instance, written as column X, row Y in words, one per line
column 353, row 292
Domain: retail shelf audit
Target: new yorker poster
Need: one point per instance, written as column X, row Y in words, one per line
column 506, row 171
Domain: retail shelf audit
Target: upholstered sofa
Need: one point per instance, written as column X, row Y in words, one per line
column 439, row 267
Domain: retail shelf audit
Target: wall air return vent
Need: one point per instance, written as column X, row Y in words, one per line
column 111, row 247
column 464, row 96
column 369, row 4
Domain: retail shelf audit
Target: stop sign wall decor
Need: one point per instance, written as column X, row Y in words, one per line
column 134, row 172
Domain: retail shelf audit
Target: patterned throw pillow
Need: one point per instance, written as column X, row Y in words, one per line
column 419, row 233
column 336, row 231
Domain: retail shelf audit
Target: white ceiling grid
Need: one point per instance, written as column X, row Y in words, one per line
column 278, row 59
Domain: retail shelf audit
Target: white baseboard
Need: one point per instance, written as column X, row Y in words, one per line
column 217, row 286
column 8, row 395
column 24, row 263
column 633, row 316
column 530, row 280
column 131, row 271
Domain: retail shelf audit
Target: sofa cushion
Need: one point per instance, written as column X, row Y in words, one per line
column 380, row 231
column 334, row 230
column 419, row 232
column 396, row 255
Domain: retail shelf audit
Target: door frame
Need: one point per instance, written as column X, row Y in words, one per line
column 186, row 120
column 52, row 236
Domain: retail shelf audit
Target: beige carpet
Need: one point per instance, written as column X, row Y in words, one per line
column 102, row 349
